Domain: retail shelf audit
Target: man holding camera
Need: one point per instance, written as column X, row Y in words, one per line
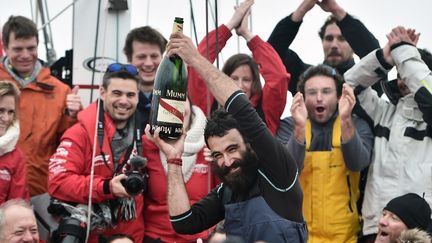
column 111, row 150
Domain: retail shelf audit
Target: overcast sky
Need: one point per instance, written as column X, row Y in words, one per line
column 379, row 16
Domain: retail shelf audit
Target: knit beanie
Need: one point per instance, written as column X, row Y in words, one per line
column 412, row 209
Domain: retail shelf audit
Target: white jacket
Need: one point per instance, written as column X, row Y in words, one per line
column 402, row 158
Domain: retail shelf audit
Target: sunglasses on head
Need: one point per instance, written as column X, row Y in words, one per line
column 116, row 67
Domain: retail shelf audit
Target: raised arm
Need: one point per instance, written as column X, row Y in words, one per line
column 412, row 69
column 334, row 8
column 286, row 30
column 370, row 70
column 275, row 160
column 283, row 35
column 361, row 40
column 273, row 97
column 219, row 84
column 196, row 86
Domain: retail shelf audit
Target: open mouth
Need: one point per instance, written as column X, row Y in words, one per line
column 382, row 237
column 320, row 109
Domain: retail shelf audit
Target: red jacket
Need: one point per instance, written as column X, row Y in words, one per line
column 13, row 173
column 69, row 170
column 43, row 121
column 273, row 97
column 13, row 176
column 198, row 185
column 1, row 46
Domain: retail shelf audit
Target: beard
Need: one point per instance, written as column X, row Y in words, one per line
column 241, row 180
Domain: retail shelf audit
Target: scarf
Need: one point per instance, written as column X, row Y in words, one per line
column 193, row 144
column 26, row 80
column 9, row 140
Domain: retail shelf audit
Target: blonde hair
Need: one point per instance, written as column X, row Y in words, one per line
column 8, row 88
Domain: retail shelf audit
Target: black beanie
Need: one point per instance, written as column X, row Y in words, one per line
column 412, row 209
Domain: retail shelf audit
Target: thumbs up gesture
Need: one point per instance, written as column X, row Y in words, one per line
column 73, row 102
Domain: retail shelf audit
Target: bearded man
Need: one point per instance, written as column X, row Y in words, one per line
column 260, row 198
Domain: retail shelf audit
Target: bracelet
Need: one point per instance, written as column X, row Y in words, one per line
column 175, row 161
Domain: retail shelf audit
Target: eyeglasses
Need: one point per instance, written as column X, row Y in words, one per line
column 314, row 92
column 116, row 67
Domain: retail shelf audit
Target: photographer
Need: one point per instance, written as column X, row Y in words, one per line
column 116, row 164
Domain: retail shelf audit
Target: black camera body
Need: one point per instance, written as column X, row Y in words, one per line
column 73, row 224
column 70, row 230
column 137, row 177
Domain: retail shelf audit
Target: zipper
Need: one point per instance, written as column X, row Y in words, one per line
column 349, row 190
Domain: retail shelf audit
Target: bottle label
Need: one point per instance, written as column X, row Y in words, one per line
column 171, row 111
column 177, row 27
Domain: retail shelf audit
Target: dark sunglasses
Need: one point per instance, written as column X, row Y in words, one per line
column 116, row 67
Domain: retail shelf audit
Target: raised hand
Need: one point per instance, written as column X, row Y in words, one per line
column 299, row 114
column 73, row 102
column 207, row 155
column 400, row 34
column 413, row 35
column 182, row 45
column 332, row 7
column 301, row 10
column 239, row 13
column 397, row 35
column 243, row 29
column 346, row 102
column 171, row 148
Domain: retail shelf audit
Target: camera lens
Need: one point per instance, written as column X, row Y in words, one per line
column 134, row 184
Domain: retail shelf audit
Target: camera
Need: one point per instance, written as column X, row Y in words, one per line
column 73, row 224
column 136, row 172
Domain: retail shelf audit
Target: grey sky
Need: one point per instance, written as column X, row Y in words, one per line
column 379, row 16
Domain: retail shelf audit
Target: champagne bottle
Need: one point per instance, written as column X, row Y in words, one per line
column 169, row 94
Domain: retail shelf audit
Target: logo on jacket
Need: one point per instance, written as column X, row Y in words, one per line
column 5, row 175
column 201, row 169
column 98, row 160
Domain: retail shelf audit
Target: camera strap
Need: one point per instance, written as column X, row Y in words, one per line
column 124, row 208
column 137, row 139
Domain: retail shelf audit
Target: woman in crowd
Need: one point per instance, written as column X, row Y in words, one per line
column 269, row 101
column 13, row 174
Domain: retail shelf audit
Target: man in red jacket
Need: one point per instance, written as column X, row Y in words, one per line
column 117, row 142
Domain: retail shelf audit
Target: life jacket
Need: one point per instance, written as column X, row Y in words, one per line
column 330, row 192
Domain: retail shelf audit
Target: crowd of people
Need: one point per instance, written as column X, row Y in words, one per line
column 350, row 164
